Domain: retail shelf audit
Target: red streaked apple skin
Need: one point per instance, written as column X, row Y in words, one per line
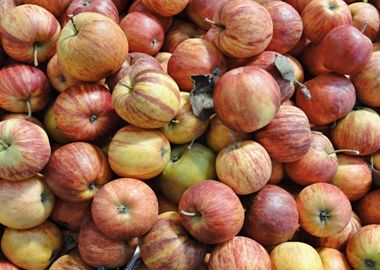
column 278, row 173
column 22, row 116
column 168, row 246
column 219, row 212
column 239, row 253
column 76, row 171
column 272, row 216
column 318, row 200
column 333, row 259
column 246, row 98
column 368, row 208
column 179, row 33
column 166, row 8
column 163, row 59
column 56, row 8
column 287, row 137
column 71, row 261
column 27, row 152
column 199, row 10
column 245, row 166
column 365, row 13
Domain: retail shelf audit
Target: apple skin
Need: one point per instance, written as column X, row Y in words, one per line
column 363, row 248
column 185, row 126
column 138, row 153
column 124, row 208
column 153, row 88
column 33, row 248
column 164, row 205
column 6, row 265
column 333, row 96
column 278, row 173
column 295, row 255
column 73, row 48
column 272, row 216
column 169, row 246
column 76, row 171
column 22, row 116
column 287, row 26
column 219, row 214
column 239, row 253
column 376, row 46
column 55, row 134
column 84, row 112
column 244, row 166
column 366, row 82
column 246, row 98
column 97, row 250
column 163, row 59
column 57, row 7
column 287, row 137
column 368, row 208
column 26, row 149
column 194, row 56
column 242, row 28
column 321, row 16
column 358, row 130
column 353, row 177
column 199, row 10
column 144, row 31
column 356, row 50
column 365, row 13
column 324, row 210
column 166, row 8
column 27, row 27
column 31, row 86
column 71, row 261
column 6, row 6
column 70, row 214
column 333, row 259
column 311, row 59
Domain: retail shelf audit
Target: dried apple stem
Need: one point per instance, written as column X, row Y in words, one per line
column 191, row 144
column 187, row 214
column 233, row 138
column 71, row 16
column 35, row 54
column 29, row 107
column 304, row 90
column 211, row 22
column 364, row 27
column 356, row 152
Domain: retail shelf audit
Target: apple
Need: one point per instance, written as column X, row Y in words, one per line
column 365, row 15
column 366, row 82
column 144, row 31
column 311, row 59
column 22, row 116
column 333, row 259
column 287, row 26
column 199, row 10
column 296, row 256
column 148, row 99
column 272, row 216
column 363, row 248
column 29, row 93
column 278, row 173
column 6, row 265
column 246, row 98
column 241, row 28
column 359, row 130
column 104, row 7
column 192, row 57
column 70, row 214
column 333, row 96
column 188, row 165
column 299, row 73
column 163, row 59
column 324, row 210
column 24, row 149
column 299, row 5
column 244, row 166
column 239, row 253
column 76, row 171
column 166, row 8
column 164, row 205
column 29, row 33
column 368, row 208
column 211, row 212
column 320, row 17
column 57, row 7
column 34, row 248
column 353, row 177
column 287, row 137
column 82, row 36
column 169, row 246
column 138, row 153
column 69, row 262
column 98, row 250
column 51, row 127
column 84, row 112
column 348, row 57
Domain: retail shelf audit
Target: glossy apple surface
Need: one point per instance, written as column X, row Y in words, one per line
column 368, row 208
column 365, row 13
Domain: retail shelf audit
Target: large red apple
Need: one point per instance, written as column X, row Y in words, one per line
column 24, row 149
column 211, row 212
column 166, row 8
column 56, row 7
column 365, row 16
column 368, row 208
column 333, row 259
column 76, row 171
column 199, row 10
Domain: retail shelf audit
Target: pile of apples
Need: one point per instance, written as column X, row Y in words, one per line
column 190, row 134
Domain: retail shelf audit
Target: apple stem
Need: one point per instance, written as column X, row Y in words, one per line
column 29, row 108
column 71, row 16
column 191, row 144
column 304, row 90
column 3, row 145
column 316, row 132
column 356, row 152
column 364, row 27
column 35, row 54
column 233, row 138
column 174, row 121
column 211, row 22
column 187, row 214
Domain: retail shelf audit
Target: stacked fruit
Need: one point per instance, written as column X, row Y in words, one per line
column 186, row 133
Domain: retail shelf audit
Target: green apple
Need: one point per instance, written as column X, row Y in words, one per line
column 187, row 166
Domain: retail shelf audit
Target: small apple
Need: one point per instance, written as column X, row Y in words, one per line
column 365, row 16
column 166, row 8
column 333, row 259
column 368, row 208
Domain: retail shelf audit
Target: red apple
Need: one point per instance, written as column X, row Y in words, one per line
column 24, row 149
column 241, row 28
column 199, row 10
column 76, row 171
column 287, row 136
column 211, row 212
column 163, row 59
column 166, row 8
column 333, row 259
column 192, row 57
column 71, row 261
column 239, row 253
column 311, row 59
column 6, row 6
column 368, row 208
column 164, row 205
column 333, row 96
column 6, row 265
column 376, row 46
column 365, row 15
column 246, row 98
column 319, row 17
column 272, row 216
column 55, row 134
column 278, row 173
column 144, row 32
column 57, row 8
column 299, row 5
column 22, row 116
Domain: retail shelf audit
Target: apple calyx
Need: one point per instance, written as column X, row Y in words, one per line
column 93, row 118
column 174, row 122
column 44, row 197
column 3, row 145
column 211, row 22
column 324, row 215
column 92, row 186
column 154, row 42
column 71, row 17
column 122, row 209
column 370, row 264
column 356, row 152
column 189, row 214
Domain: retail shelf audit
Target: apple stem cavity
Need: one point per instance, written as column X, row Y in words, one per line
column 35, row 54
column 3, row 145
column 44, row 197
column 71, row 16
column 188, row 214
column 174, row 121
column 93, row 118
column 211, row 22
column 29, row 108
column 356, row 152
